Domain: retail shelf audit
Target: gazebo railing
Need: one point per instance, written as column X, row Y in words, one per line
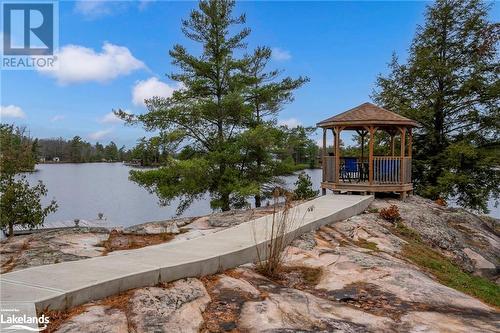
column 329, row 169
column 407, row 164
column 386, row 170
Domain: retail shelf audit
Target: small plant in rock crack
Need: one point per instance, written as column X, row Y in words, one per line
column 271, row 255
column 390, row 213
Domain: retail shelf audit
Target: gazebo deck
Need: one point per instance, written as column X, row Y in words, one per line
column 386, row 175
column 363, row 187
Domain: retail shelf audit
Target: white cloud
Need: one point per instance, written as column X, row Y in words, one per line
column 94, row 9
column 98, row 135
column 57, row 117
column 149, row 88
column 280, row 54
column 11, row 111
column 290, row 123
column 111, row 118
column 144, row 3
column 80, row 64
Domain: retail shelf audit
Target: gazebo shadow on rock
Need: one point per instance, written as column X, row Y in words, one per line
column 373, row 173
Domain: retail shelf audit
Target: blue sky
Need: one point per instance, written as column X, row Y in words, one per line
column 118, row 54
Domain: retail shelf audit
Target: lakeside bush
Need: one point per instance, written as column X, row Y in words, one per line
column 303, row 188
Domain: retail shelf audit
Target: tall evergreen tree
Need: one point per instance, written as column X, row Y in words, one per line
column 75, row 150
column 111, row 151
column 207, row 113
column 450, row 85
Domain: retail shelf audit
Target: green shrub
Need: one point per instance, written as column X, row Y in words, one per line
column 303, row 188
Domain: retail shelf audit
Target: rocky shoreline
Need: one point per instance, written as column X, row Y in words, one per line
column 356, row 275
column 69, row 244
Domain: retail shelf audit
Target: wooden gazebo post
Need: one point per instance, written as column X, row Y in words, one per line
column 337, row 153
column 371, row 129
column 323, row 160
column 403, row 162
column 410, row 141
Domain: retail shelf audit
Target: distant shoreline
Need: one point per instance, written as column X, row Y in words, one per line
column 68, row 162
column 298, row 167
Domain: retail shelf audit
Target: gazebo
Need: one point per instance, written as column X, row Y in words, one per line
column 388, row 173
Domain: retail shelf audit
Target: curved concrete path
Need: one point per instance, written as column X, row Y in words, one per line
column 67, row 284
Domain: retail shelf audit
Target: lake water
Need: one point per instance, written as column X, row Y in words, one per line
column 84, row 190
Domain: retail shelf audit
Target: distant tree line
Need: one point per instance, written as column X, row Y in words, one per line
column 77, row 150
column 297, row 148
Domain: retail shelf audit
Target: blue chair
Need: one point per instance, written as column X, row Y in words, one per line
column 349, row 169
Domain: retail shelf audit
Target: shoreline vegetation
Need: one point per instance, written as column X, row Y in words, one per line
column 297, row 149
column 294, row 168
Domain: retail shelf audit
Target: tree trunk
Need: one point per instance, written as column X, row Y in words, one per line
column 11, row 229
column 438, row 144
column 225, row 202
column 258, row 202
column 259, row 167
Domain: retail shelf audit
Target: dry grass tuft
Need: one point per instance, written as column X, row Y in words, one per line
column 270, row 259
column 8, row 265
column 58, row 317
column 300, row 277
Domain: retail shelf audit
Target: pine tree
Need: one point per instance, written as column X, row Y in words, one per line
column 207, row 113
column 450, row 85
column 266, row 95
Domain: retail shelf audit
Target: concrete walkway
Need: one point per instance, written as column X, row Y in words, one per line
column 67, row 284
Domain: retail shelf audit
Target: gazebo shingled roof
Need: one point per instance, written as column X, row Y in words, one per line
column 367, row 114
